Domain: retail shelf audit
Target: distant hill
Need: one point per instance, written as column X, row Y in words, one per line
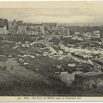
column 31, row 24
column 85, row 24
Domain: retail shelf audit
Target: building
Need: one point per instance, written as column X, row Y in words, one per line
column 10, row 25
column 49, row 25
column 21, row 30
column 96, row 34
column 6, row 24
column 42, row 30
column 66, row 32
column 33, row 30
column 14, row 30
column 3, row 30
column 86, row 36
column 60, row 31
column 89, row 35
column 20, row 23
column 1, row 22
column 14, row 23
column 27, row 29
column 63, row 25
column 4, row 27
column 76, row 34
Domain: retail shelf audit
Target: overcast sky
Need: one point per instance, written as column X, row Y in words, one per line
column 63, row 12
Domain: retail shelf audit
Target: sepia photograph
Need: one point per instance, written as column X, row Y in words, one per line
column 51, row 48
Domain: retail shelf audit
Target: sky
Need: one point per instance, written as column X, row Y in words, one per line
column 53, row 11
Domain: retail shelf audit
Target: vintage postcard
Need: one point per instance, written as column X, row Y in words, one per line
column 51, row 51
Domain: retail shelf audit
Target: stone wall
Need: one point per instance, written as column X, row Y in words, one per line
column 90, row 80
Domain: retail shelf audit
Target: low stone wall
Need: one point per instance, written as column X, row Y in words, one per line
column 90, row 80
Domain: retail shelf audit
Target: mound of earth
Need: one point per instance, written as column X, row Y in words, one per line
column 55, row 40
column 6, row 79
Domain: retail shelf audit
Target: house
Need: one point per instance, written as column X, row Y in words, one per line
column 19, row 23
column 14, row 29
column 74, row 38
column 33, row 30
column 21, row 30
column 60, row 52
column 61, row 31
column 71, row 65
column 86, row 36
column 96, row 34
column 68, row 36
column 62, row 25
column 76, row 33
column 49, row 25
column 80, row 39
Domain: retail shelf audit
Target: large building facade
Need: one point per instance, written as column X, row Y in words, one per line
column 4, row 22
column 4, row 27
column 1, row 22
